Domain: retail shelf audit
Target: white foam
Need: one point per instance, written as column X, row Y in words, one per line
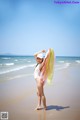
column 16, row 69
column 61, row 61
column 16, row 60
column 78, row 61
column 9, row 64
column 11, row 70
column 66, row 65
column 28, row 61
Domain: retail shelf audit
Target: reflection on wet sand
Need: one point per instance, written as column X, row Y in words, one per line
column 41, row 114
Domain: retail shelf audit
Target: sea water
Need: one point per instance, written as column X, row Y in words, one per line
column 11, row 64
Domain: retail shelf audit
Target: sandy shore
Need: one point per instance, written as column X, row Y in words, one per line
column 18, row 96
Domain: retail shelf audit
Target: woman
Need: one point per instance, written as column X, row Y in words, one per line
column 41, row 74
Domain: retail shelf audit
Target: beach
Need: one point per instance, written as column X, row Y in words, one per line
column 18, row 93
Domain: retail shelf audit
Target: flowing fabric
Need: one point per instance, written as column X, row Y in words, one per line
column 47, row 70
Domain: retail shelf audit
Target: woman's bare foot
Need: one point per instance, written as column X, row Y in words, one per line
column 45, row 108
column 38, row 108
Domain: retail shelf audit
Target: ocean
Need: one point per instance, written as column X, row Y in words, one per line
column 12, row 64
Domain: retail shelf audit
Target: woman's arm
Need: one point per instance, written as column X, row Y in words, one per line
column 46, row 57
column 42, row 51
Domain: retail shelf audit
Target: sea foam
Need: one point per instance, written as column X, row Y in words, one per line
column 78, row 61
column 61, row 61
column 66, row 65
column 16, row 69
column 9, row 64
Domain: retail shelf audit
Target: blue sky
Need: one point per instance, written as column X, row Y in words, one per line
column 27, row 26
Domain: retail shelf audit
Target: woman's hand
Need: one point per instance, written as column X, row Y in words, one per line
column 44, row 51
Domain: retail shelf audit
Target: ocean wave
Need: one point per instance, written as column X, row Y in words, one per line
column 29, row 61
column 66, row 65
column 16, row 69
column 61, row 61
column 78, row 61
column 9, row 64
column 6, row 58
column 15, row 60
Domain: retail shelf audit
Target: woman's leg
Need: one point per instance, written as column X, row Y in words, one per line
column 39, row 96
column 43, row 98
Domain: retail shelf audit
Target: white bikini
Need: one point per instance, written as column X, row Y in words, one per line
column 37, row 71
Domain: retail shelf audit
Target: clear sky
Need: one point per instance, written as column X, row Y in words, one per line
column 27, row 26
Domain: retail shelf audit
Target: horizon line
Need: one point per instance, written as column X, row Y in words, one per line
column 8, row 55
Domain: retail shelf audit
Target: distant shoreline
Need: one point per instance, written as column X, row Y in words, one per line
column 4, row 55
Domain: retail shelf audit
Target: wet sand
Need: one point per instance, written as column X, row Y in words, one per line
column 18, row 96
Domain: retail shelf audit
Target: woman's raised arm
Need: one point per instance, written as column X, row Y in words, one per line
column 42, row 51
